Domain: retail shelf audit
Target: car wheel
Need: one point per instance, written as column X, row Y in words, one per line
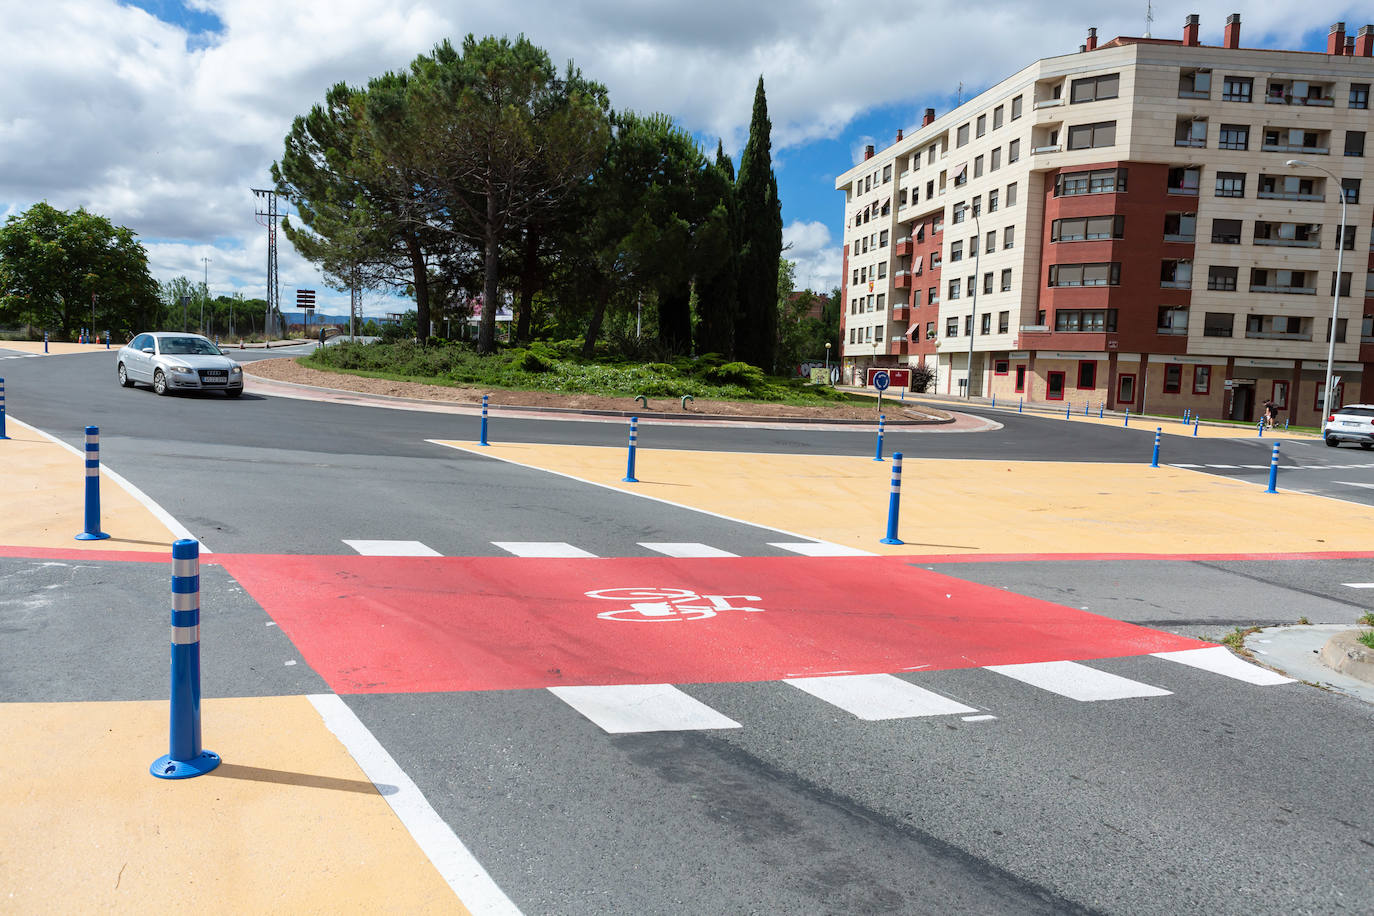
column 1367, row 445
column 232, row 392
column 159, row 382
column 124, row 380
column 1331, row 442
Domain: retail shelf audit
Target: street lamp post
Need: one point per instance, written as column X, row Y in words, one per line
column 827, row 359
column 204, row 293
column 1327, row 393
column 977, row 278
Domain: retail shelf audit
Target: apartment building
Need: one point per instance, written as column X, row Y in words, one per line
column 1122, row 226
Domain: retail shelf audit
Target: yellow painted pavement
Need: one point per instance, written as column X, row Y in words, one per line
column 58, row 347
column 287, row 824
column 1171, row 427
column 974, row 507
column 43, row 501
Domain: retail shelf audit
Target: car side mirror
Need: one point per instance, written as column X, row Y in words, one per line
column 148, row 350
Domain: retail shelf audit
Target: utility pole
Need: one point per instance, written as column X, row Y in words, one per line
column 268, row 218
column 204, row 294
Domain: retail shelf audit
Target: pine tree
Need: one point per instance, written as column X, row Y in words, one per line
column 760, row 214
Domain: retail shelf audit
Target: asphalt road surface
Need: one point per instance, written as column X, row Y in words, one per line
column 1140, row 785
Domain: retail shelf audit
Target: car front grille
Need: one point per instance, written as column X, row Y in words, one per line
column 213, row 376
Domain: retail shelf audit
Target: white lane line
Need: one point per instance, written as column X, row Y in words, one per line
column 1358, row 584
column 546, row 549
column 1255, row 467
column 1078, row 682
column 1229, row 467
column 821, row 549
column 628, row 708
column 1354, row 483
column 464, row 874
column 979, row 718
column 392, row 548
column 686, row 550
column 177, row 529
column 873, row 697
column 1219, row 660
column 1185, row 465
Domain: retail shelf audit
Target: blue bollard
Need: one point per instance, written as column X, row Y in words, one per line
column 1068, row 409
column 45, row 341
column 1128, row 417
column 1154, row 460
column 185, row 757
column 994, row 400
column 1274, row 470
column 1086, row 405
column 1195, row 420
column 107, row 340
column 1261, row 430
column 878, row 449
column 92, row 532
column 630, row 462
column 1020, row 404
column 2, row 410
column 894, row 502
column 1101, row 409
column 484, row 421
column 1285, row 424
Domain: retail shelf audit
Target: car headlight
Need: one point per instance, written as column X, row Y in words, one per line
column 182, row 370
column 237, row 370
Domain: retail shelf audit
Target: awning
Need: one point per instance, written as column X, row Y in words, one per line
column 912, row 331
column 961, row 171
column 916, row 267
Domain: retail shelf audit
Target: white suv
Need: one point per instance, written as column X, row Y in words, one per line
column 1352, row 423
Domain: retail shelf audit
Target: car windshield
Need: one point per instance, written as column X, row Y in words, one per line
column 194, row 346
column 1355, row 411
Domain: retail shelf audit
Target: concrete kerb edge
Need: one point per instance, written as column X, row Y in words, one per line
column 1345, row 653
column 574, row 411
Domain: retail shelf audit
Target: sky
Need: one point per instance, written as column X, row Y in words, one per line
column 162, row 114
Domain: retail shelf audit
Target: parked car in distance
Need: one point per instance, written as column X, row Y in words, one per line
column 1351, row 423
column 178, row 362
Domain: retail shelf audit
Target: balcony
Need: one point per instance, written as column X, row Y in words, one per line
column 901, row 280
column 1195, row 142
column 1183, row 190
column 1049, row 103
column 1305, row 150
column 1176, row 237
column 1276, row 335
column 1287, row 290
column 1041, row 150
column 1288, row 195
column 903, row 247
column 1176, row 284
column 1290, row 243
column 1173, row 332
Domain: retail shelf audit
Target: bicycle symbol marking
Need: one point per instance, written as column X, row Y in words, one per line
column 655, row 605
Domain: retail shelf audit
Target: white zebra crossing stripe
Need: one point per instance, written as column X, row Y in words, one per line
column 545, row 549
column 686, row 550
column 873, row 697
column 631, row 708
column 392, row 548
column 1352, row 483
column 1219, row 660
column 821, row 549
column 1358, row 584
column 1185, row 465
column 1228, row 467
column 1077, row 682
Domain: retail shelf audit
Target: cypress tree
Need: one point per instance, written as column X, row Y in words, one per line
column 719, row 249
column 760, row 214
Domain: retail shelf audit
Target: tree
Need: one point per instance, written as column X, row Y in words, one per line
column 760, row 214
column 502, row 137
column 57, row 267
column 719, row 245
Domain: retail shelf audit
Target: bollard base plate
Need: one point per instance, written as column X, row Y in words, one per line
column 629, row 480
column 165, row 767
column 891, row 541
column 92, row 536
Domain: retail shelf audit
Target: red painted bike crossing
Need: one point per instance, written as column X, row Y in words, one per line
column 406, row 624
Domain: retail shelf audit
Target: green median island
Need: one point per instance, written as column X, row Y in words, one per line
column 558, row 367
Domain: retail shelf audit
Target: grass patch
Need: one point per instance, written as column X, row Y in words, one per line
column 1235, row 640
column 1367, row 637
column 1367, row 620
column 557, row 368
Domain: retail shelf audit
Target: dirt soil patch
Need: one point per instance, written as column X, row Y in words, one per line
column 288, row 370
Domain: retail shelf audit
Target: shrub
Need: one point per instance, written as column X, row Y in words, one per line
column 922, row 377
column 742, row 374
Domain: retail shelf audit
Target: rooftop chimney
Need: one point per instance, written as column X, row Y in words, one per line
column 1190, row 27
column 1092, row 39
column 929, row 117
column 1232, row 33
column 1335, row 39
column 868, row 152
column 899, row 135
column 1349, row 47
column 1364, row 43
column 1082, row 49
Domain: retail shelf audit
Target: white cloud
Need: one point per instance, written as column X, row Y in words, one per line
column 107, row 107
column 818, row 261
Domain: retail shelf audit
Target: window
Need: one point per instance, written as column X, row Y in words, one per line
column 1345, row 237
column 881, row 298
column 1180, row 227
column 1088, row 227
column 1230, row 184
column 1351, row 188
column 956, row 251
column 933, row 295
column 997, row 117
column 990, row 242
column 987, row 285
column 1054, row 386
column 1172, row 320
column 1234, row 136
column 1354, row 143
column 985, row 324
column 1006, row 279
column 968, row 325
column 1094, row 88
column 1020, row 378
column 1100, row 181
column 1218, row 323
column 882, row 269
column 1222, row 278
column 960, row 211
column 1009, row 237
column 930, row 154
column 1089, row 320
column 1003, row 324
column 1016, row 108
column 1280, row 395
column 992, row 200
column 1202, row 379
column 1340, row 330
column 996, row 161
column 1013, row 151
column 856, row 277
column 882, row 239
column 1264, row 280
column 1087, row 374
column 1184, row 180
column 1125, row 389
column 930, row 330
column 954, row 288
column 1345, row 284
column 977, row 166
column 1095, row 274
column 1000, row 366
column 982, row 127
column 1176, row 274
column 961, row 136
column 1173, row 378
column 1359, row 95
column 1194, row 84
column 1011, row 192
column 1237, row 88
column 951, row 327
column 1225, row 232
column 1190, row 132
column 901, row 200
column 887, row 174
column 868, row 184
column 1092, row 136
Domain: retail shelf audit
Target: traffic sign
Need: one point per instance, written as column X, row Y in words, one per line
column 305, row 298
column 879, row 379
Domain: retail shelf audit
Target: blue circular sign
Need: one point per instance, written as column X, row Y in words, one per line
column 881, row 380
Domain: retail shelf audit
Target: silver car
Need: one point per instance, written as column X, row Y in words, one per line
column 178, row 362
column 1351, row 423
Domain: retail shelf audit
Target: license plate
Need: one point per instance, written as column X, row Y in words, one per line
column 1351, row 423
column 213, row 374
